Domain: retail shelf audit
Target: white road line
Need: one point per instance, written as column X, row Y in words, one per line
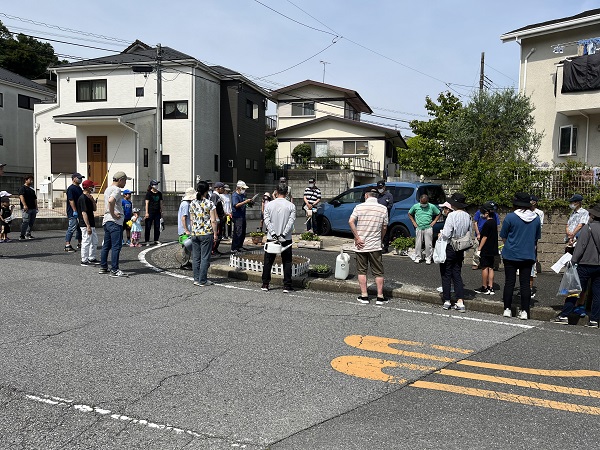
column 142, row 258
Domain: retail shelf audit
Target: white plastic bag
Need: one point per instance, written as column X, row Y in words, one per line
column 570, row 283
column 439, row 252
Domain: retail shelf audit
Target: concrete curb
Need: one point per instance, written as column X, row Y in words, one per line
column 406, row 292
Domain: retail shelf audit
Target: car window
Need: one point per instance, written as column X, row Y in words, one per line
column 435, row 193
column 352, row 196
column 401, row 193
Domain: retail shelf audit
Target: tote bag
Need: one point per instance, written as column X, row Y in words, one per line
column 439, row 252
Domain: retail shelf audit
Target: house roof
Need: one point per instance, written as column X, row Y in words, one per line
column 389, row 132
column 353, row 97
column 103, row 112
column 15, row 78
column 585, row 18
column 229, row 74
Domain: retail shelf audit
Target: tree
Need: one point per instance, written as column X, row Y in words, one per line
column 270, row 151
column 301, row 153
column 25, row 55
column 428, row 152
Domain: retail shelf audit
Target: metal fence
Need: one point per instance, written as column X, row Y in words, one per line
column 357, row 164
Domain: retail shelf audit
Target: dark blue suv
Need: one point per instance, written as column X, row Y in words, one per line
column 334, row 214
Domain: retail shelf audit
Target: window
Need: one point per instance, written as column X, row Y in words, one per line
column 27, row 102
column 350, row 113
column 1, row 99
column 251, row 110
column 216, row 163
column 352, row 196
column 91, row 91
column 567, row 144
column 356, row 147
column 139, row 92
column 255, row 164
column 401, row 193
column 175, row 110
column 248, row 164
column 145, row 157
column 63, row 156
column 303, row 109
column 318, row 148
column 1, row 140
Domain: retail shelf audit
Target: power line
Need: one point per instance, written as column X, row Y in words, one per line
column 496, row 70
column 296, row 21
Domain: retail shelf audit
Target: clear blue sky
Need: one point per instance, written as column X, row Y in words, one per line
column 393, row 52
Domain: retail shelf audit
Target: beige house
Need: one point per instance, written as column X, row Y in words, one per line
column 560, row 72
column 328, row 118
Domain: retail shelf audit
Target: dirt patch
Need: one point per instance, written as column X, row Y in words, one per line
column 260, row 257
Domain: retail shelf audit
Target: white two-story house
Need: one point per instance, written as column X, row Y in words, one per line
column 328, row 118
column 560, row 72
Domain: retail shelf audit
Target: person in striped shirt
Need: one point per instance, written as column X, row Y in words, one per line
column 368, row 223
column 312, row 196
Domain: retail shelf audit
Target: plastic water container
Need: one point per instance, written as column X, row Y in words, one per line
column 342, row 265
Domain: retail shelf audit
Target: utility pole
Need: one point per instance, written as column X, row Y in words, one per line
column 324, row 63
column 159, row 114
column 481, row 74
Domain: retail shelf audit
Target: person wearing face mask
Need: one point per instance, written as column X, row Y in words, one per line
column 423, row 216
column 74, row 191
column 238, row 214
column 312, row 196
column 386, row 199
column 578, row 218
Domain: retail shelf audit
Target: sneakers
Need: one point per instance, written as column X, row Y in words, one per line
column 21, row 238
column 103, row 271
column 363, row 300
column 156, row 242
column 69, row 249
column 118, row 274
column 533, row 292
column 427, row 261
column 208, row 283
column 523, row 315
column 85, row 263
column 287, row 290
column 447, row 305
column 562, row 320
column 460, row 308
column 28, row 236
column 264, row 287
column 79, row 246
column 417, row 260
column 490, row 291
column 580, row 311
column 196, row 283
column 382, row 301
column 507, row 312
column 482, row 290
column 94, row 262
column 592, row 324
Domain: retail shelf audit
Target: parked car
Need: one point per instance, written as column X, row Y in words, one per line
column 334, row 214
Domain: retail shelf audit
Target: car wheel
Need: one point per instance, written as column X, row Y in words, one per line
column 325, row 226
column 398, row 231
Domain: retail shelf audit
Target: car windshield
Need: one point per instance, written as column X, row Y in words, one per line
column 353, row 196
column 434, row 192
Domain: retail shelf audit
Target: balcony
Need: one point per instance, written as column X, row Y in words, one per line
column 271, row 122
column 361, row 165
column 575, row 103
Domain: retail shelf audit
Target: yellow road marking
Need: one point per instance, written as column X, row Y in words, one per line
column 372, row 368
column 541, row 372
column 523, row 400
column 520, row 383
column 382, row 345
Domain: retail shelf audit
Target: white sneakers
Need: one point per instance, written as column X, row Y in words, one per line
column 522, row 315
column 507, row 313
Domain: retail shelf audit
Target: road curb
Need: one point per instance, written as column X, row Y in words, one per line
column 406, row 292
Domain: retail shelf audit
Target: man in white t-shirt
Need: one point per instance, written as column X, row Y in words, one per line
column 113, row 226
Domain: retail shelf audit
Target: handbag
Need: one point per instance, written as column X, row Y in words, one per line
column 570, row 283
column 462, row 243
column 439, row 251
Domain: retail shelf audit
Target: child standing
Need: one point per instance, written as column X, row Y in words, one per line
column 6, row 218
column 487, row 249
column 136, row 228
column 127, row 214
column 265, row 201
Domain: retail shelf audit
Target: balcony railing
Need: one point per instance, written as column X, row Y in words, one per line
column 271, row 122
column 356, row 164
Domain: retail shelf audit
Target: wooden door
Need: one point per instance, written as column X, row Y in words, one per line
column 97, row 162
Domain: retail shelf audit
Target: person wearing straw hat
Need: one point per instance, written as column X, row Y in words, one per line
column 184, row 225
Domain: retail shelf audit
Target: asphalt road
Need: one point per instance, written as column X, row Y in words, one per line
column 152, row 362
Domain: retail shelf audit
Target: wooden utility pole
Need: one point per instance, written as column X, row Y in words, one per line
column 481, row 72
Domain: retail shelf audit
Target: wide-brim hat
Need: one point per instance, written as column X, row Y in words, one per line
column 522, row 199
column 595, row 211
column 457, row 201
column 242, row 185
column 190, row 194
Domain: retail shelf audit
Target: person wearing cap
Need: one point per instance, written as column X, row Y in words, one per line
column 265, row 201
column 238, row 214
column 487, row 249
column 74, row 191
column 184, row 226
column 28, row 207
column 478, row 222
column 457, row 225
column 586, row 256
column 520, row 232
column 86, row 206
column 312, row 197
column 289, row 197
column 154, row 208
column 368, row 223
column 423, row 216
column 112, row 223
column 578, row 218
column 226, row 199
column 215, row 197
column 128, row 214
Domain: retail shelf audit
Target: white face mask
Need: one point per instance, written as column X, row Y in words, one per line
column 242, row 191
column 311, row 184
column 381, row 190
column 572, row 206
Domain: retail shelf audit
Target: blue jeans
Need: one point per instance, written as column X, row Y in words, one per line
column 113, row 233
column 201, row 248
column 73, row 228
column 239, row 233
column 450, row 270
column 587, row 274
column 28, row 221
column 510, row 279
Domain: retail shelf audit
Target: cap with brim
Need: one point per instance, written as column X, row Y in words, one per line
column 190, row 194
column 522, row 199
column 446, row 205
column 267, row 194
column 488, row 206
column 457, row 201
column 119, row 175
column 242, row 185
column 5, row 194
column 576, row 198
column 381, row 183
column 77, row 175
column 595, row 211
column 311, row 180
column 227, row 188
column 88, row 184
column 154, row 183
column 125, row 191
column 219, row 184
column 283, row 179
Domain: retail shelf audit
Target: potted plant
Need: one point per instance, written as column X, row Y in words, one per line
column 257, row 237
column 319, row 270
column 310, row 240
column 402, row 244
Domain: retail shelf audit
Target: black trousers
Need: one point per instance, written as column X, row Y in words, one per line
column 510, row 279
column 286, row 259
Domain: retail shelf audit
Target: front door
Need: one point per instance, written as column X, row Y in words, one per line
column 96, row 157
